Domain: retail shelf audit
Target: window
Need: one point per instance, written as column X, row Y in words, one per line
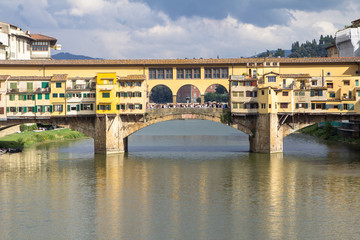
column 271, row 78
column 13, row 85
column 285, row 94
column 40, row 46
column 234, row 83
column 12, row 97
column 39, row 96
column 216, row 73
column 263, row 105
column 251, row 94
column 58, row 85
column 55, row 95
column 160, row 73
column 262, row 92
column 88, row 107
column 29, row 87
column 235, row 105
column 314, row 83
column 332, row 95
column 188, row 73
column 235, row 94
column 58, row 108
column 44, row 85
column 47, row 96
column 329, row 85
column 283, row 105
column 106, row 95
column 241, row 94
column 357, row 83
column 346, row 82
column 1, row 110
column 316, row 93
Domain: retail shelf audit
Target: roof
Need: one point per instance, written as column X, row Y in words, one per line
column 295, row 76
column 59, row 77
column 155, row 62
column 134, row 77
column 4, row 77
column 40, row 37
column 32, row 78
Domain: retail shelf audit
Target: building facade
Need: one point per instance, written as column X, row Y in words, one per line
column 15, row 44
column 58, row 88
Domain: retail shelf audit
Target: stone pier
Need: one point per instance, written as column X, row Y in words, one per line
column 267, row 137
column 109, row 135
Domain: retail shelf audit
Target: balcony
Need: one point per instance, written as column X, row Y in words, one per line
column 42, row 90
column 13, row 90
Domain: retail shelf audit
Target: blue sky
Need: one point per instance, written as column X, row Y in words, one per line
column 117, row 29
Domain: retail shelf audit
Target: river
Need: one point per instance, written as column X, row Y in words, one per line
column 182, row 180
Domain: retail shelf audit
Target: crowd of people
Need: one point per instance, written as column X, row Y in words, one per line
column 187, row 105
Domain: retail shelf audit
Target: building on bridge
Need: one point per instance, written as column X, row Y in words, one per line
column 269, row 97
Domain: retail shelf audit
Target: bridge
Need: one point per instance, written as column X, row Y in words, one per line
column 110, row 132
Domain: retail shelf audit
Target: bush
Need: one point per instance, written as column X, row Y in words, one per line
column 26, row 128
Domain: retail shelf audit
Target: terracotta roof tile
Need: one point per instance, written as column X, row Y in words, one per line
column 26, row 78
column 155, row 62
column 59, row 77
column 4, row 77
column 295, row 76
column 42, row 37
column 133, row 77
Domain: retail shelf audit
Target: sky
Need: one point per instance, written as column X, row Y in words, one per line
column 159, row 29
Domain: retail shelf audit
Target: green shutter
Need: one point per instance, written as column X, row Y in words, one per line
column 351, row 106
column 91, row 107
column 77, row 107
column 43, row 108
column 21, row 97
column 82, row 107
column 324, row 106
column 327, row 106
column 313, row 106
column 7, row 109
column 25, row 109
column 25, row 97
column 13, row 85
column 297, row 105
column 84, row 95
column 306, row 105
column 312, row 93
column 51, row 108
column 35, row 108
column 44, row 84
column 140, row 106
column 33, row 97
column 320, row 93
column 39, row 96
column 47, row 96
column 125, row 94
column 29, row 87
column 98, row 107
column 68, row 108
column 341, row 107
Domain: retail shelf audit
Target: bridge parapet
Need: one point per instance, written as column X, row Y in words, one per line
column 187, row 113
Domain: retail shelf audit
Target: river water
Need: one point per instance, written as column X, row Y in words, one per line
column 182, row 180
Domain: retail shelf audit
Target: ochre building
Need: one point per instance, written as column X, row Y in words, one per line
column 57, row 88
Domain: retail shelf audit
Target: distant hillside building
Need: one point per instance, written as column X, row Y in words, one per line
column 15, row 44
column 348, row 40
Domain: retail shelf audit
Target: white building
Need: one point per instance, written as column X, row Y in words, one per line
column 15, row 44
column 348, row 40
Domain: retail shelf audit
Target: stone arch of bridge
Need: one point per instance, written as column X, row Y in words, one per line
column 131, row 129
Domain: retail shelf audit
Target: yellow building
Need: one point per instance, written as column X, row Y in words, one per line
column 106, row 93
column 58, row 97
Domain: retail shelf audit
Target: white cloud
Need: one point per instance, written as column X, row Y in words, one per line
column 129, row 29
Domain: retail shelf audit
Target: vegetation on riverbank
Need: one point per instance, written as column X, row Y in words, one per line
column 328, row 132
column 29, row 138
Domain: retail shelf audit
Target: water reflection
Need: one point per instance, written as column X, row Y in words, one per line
column 66, row 191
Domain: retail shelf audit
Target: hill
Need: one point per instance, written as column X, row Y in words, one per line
column 69, row 56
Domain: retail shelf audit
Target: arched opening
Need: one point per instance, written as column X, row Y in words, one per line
column 188, row 94
column 161, row 94
column 216, row 93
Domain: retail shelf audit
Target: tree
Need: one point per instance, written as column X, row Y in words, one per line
column 279, row 53
column 220, row 89
column 161, row 94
